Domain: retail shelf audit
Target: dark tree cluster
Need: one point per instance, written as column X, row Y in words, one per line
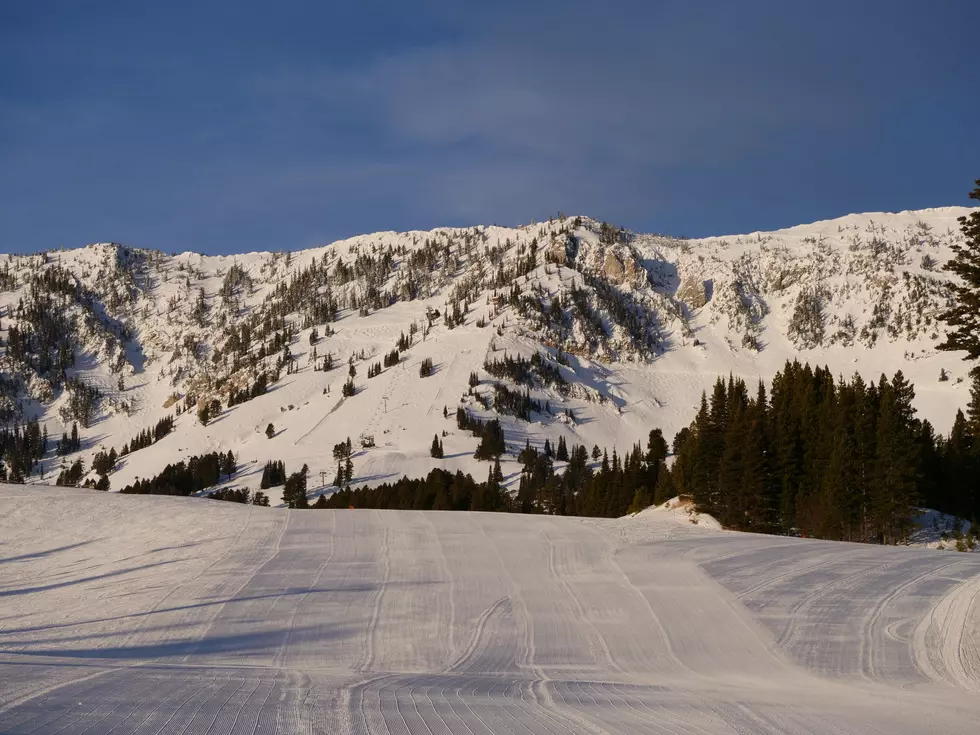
column 456, row 316
column 71, row 476
column 294, row 490
column 964, row 318
column 247, row 393
column 21, row 448
column 561, row 453
column 617, row 487
column 183, row 478
column 515, row 403
column 830, row 459
column 440, row 490
column 69, row 443
column 43, row 338
column 104, row 462
column 436, row 451
column 232, row 494
column 490, row 433
column 83, row 401
column 342, row 453
column 523, row 371
column 391, row 358
column 425, row 367
column 147, row 438
column 273, row 474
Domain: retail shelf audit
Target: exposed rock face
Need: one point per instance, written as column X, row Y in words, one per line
column 612, row 268
column 693, row 292
column 622, row 269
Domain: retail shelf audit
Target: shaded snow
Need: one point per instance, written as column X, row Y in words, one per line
column 935, row 530
column 154, row 614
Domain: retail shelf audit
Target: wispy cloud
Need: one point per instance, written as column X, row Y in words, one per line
column 268, row 130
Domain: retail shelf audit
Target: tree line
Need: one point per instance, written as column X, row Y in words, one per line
column 811, row 454
column 186, row 477
column 834, row 459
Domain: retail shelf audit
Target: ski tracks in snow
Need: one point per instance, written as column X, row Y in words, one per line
column 410, row 623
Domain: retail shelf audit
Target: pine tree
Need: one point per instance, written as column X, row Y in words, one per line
column 294, row 491
column 973, row 407
column 641, row 499
column 896, row 471
column 561, row 454
column 964, row 318
column 436, row 449
column 228, row 466
column 204, row 412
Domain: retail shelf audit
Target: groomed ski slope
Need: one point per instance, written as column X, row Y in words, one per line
column 137, row 614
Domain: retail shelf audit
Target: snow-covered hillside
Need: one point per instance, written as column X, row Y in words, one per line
column 631, row 328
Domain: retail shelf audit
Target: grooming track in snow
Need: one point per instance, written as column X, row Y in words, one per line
column 133, row 614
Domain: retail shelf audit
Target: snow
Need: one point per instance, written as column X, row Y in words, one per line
column 935, row 530
column 752, row 282
column 679, row 511
column 156, row 614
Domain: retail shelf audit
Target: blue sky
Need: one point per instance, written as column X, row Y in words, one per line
column 233, row 126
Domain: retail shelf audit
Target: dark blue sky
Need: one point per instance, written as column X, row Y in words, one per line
column 232, row 126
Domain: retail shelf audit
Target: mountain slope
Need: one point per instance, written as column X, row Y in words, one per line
column 631, row 328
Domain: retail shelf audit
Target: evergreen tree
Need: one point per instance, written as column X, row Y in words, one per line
column 561, row 454
column 492, row 442
column 664, row 489
column 273, row 474
column 894, row 487
column 973, row 407
column 228, row 466
column 964, row 318
column 294, row 491
column 436, row 449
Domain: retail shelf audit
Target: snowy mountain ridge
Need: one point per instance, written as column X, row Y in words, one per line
column 629, row 329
